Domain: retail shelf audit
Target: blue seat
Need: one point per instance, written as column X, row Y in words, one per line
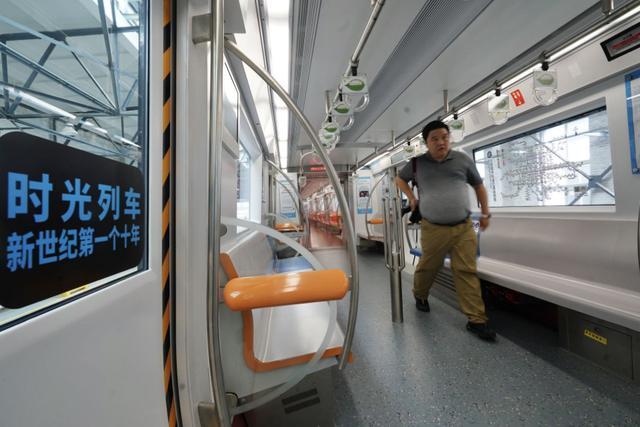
column 417, row 252
column 288, row 265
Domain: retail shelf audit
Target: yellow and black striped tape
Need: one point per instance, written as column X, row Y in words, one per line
column 168, row 215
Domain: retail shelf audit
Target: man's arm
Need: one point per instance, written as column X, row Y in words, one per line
column 404, row 187
column 483, row 199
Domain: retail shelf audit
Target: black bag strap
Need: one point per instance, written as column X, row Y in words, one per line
column 414, row 166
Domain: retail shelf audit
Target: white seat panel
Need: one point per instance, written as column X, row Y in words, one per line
column 290, row 331
column 603, row 301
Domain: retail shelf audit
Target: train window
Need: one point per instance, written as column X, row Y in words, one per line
column 230, row 103
column 243, row 195
column 73, row 96
column 563, row 164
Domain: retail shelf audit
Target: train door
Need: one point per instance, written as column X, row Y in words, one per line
column 81, row 304
column 223, row 367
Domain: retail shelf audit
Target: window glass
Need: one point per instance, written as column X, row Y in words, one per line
column 72, row 85
column 230, row 103
column 243, row 197
column 563, row 164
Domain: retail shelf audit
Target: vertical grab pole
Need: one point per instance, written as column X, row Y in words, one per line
column 638, row 238
column 396, row 249
column 215, row 162
column 335, row 181
column 399, row 222
column 366, row 211
column 388, row 262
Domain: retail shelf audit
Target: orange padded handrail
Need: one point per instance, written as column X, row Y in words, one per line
column 227, row 265
column 287, row 226
column 376, row 221
column 247, row 293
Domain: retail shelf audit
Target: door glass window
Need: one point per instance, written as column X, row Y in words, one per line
column 73, row 98
column 563, row 164
column 243, row 197
column 230, row 102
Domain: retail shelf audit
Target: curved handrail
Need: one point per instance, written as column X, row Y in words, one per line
column 335, row 181
column 298, row 196
column 366, row 211
column 317, row 265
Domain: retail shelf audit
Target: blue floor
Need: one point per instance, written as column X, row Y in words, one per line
column 430, row 371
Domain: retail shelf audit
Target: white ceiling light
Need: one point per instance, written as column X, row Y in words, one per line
column 277, row 26
column 498, row 107
column 584, row 40
column 474, row 102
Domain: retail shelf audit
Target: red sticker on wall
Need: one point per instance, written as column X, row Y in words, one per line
column 518, row 97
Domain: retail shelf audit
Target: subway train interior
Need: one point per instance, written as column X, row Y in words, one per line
column 236, row 241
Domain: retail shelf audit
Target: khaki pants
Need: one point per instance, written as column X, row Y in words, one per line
column 461, row 243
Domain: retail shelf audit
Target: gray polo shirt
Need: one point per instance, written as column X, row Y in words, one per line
column 442, row 186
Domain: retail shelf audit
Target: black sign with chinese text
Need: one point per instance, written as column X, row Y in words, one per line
column 67, row 218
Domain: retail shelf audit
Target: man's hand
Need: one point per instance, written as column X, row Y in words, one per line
column 484, row 223
column 413, row 202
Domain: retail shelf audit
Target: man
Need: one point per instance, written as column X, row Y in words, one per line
column 442, row 176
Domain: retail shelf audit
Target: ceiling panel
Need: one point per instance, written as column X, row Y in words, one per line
column 434, row 28
column 504, row 30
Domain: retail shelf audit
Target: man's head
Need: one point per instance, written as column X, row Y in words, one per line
column 436, row 136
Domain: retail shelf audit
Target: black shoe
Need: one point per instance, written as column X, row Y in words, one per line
column 482, row 331
column 422, row 305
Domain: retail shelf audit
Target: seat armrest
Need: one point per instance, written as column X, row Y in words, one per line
column 376, row 221
column 287, row 226
column 247, row 293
